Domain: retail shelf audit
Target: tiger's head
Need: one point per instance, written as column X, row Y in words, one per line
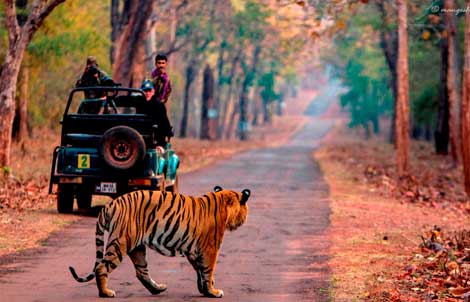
column 235, row 204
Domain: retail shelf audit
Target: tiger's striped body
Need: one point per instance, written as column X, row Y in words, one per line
column 172, row 224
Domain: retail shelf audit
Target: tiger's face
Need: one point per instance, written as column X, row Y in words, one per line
column 236, row 207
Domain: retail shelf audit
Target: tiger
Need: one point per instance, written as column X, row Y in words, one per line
column 171, row 224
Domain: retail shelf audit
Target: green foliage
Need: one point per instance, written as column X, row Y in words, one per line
column 368, row 96
column 267, row 84
column 57, row 53
column 360, row 63
column 361, row 66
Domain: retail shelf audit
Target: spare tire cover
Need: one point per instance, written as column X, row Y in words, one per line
column 122, row 147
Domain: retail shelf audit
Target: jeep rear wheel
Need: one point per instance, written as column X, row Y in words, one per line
column 65, row 199
column 122, row 148
column 84, row 197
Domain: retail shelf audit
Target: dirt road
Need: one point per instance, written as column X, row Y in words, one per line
column 280, row 254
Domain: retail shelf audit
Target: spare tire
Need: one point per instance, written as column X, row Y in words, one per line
column 122, row 148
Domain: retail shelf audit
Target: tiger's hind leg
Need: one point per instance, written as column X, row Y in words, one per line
column 139, row 258
column 115, row 251
column 204, row 265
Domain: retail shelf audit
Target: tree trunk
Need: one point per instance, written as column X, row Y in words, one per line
column 257, row 104
column 267, row 113
column 23, row 105
column 376, row 124
column 18, row 39
column 138, row 68
column 452, row 74
column 441, row 135
column 209, row 112
column 8, row 80
column 128, row 33
column 247, row 82
column 190, row 75
column 226, row 103
column 150, row 49
column 235, row 112
column 232, row 120
column 403, row 111
column 389, row 45
column 466, row 106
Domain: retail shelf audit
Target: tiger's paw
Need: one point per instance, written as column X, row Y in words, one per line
column 107, row 293
column 153, row 287
column 215, row 293
column 158, row 288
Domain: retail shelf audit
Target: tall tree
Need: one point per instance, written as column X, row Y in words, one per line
column 466, row 106
column 129, row 23
column 208, row 112
column 453, row 73
column 22, row 111
column 18, row 39
column 389, row 45
column 403, row 111
column 23, row 104
column 247, row 82
column 441, row 134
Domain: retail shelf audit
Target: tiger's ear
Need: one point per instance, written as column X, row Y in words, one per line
column 245, row 195
column 217, row 188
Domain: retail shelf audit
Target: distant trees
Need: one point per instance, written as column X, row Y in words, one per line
column 238, row 42
column 19, row 38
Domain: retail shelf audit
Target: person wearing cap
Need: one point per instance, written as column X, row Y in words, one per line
column 160, row 79
column 93, row 76
column 157, row 111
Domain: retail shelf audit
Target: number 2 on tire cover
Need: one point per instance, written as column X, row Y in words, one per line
column 83, row 161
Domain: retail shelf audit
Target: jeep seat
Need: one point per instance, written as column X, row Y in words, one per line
column 90, row 106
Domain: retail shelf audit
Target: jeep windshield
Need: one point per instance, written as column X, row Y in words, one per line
column 105, row 100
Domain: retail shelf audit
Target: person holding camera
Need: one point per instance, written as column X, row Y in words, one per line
column 93, row 76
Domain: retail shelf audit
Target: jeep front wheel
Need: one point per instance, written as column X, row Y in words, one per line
column 122, row 148
column 65, row 199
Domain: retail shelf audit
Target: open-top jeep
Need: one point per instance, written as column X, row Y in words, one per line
column 108, row 147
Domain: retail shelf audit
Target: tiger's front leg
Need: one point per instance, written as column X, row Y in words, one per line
column 139, row 258
column 205, row 266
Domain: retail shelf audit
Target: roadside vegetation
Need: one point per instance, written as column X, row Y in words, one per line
column 394, row 241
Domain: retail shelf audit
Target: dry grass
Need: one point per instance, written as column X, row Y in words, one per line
column 372, row 233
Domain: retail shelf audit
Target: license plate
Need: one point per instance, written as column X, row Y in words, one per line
column 108, row 187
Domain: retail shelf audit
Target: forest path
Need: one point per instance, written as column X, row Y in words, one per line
column 280, row 254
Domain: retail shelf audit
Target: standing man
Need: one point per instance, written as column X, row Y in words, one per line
column 161, row 81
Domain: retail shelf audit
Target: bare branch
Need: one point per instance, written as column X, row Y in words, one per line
column 181, row 5
column 174, row 47
column 39, row 12
column 11, row 22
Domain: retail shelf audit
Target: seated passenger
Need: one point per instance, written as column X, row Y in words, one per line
column 157, row 110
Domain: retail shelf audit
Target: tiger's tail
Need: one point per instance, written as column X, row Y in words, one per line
column 101, row 226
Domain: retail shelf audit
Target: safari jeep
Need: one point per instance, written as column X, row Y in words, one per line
column 108, row 147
